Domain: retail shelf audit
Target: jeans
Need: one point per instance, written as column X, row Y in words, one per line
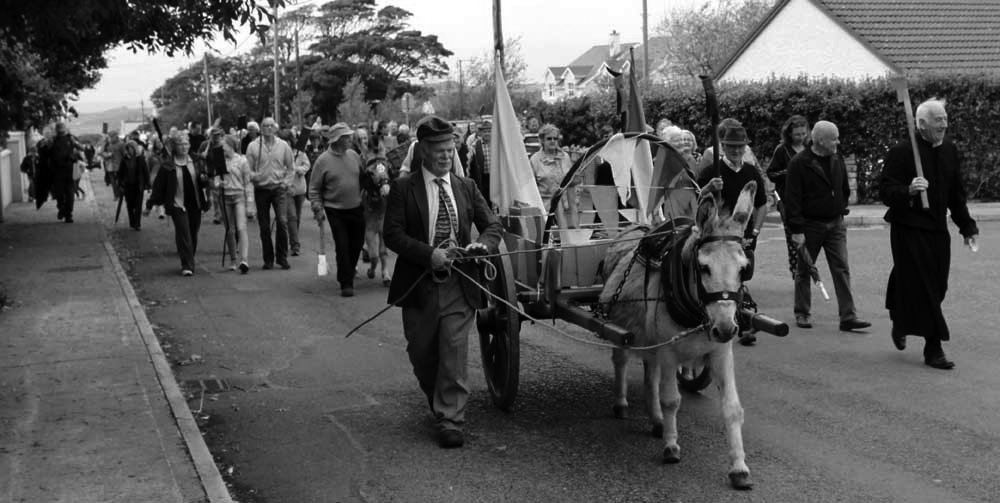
column 294, row 217
column 348, row 229
column 186, row 226
column 831, row 236
column 235, row 217
column 267, row 199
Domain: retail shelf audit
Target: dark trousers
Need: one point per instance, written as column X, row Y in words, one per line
column 437, row 337
column 64, row 192
column 265, row 200
column 186, row 226
column 831, row 237
column 133, row 205
column 294, row 217
column 348, row 230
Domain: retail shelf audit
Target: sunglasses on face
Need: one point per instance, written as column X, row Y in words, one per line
column 552, row 138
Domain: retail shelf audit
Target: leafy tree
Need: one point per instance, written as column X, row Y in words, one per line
column 472, row 88
column 50, row 49
column 699, row 41
column 357, row 39
column 354, row 109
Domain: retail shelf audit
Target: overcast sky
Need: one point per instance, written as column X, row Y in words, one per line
column 552, row 32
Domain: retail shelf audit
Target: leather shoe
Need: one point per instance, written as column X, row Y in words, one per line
column 855, row 324
column 450, row 439
column 899, row 340
column 268, row 266
column 284, row 265
column 802, row 321
column 939, row 362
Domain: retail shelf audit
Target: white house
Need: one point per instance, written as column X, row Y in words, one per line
column 586, row 72
column 857, row 39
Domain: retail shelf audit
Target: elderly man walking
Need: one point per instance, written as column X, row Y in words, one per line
column 816, row 195
column 270, row 160
column 428, row 211
column 918, row 235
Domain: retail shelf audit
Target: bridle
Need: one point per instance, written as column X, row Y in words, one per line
column 706, row 297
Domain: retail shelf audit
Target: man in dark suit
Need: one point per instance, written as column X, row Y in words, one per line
column 816, row 195
column 427, row 213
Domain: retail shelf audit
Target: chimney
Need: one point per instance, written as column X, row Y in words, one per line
column 614, row 44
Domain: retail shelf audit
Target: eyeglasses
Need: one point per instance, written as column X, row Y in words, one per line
column 552, row 138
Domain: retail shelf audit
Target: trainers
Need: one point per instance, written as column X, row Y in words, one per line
column 244, row 268
column 802, row 321
column 347, row 292
column 187, row 272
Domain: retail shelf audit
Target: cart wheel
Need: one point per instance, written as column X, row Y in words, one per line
column 694, row 377
column 499, row 331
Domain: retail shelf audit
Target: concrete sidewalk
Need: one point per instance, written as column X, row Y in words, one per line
column 866, row 215
column 89, row 408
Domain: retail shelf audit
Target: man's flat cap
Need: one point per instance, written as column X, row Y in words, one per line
column 434, row 129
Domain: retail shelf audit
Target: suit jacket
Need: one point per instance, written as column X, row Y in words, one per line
column 406, row 228
column 810, row 194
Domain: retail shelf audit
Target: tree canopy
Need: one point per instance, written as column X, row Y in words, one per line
column 52, row 49
column 700, row 40
column 346, row 40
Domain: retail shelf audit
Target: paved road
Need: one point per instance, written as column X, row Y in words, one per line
column 299, row 414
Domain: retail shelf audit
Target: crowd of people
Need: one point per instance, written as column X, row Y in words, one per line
column 269, row 173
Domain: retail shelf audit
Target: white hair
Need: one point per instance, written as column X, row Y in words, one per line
column 932, row 104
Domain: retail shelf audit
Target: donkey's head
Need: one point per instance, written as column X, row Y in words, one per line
column 716, row 251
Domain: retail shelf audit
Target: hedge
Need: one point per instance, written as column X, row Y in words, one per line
column 868, row 114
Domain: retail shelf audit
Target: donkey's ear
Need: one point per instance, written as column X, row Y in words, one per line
column 744, row 205
column 708, row 211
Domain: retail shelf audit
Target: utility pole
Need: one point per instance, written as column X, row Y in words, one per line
column 208, row 88
column 298, row 81
column 461, row 91
column 645, row 40
column 277, row 81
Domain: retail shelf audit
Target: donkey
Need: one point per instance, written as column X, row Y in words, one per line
column 686, row 290
column 374, row 188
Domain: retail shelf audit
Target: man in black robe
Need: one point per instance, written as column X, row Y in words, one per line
column 921, row 244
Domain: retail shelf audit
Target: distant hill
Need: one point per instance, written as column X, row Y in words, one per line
column 93, row 122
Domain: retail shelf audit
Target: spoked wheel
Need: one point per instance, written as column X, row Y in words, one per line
column 499, row 335
column 695, row 376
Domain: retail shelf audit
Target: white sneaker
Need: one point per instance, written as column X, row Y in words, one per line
column 187, row 272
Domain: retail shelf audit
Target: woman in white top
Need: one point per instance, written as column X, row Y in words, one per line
column 550, row 165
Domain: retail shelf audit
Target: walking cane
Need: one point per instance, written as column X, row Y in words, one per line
column 321, row 266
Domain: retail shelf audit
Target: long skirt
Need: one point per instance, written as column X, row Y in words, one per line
column 918, row 281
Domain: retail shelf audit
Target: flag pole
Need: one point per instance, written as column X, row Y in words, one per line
column 498, row 34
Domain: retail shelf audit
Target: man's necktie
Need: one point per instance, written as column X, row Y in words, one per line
column 447, row 220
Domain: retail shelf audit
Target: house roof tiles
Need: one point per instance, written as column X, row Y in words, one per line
column 915, row 35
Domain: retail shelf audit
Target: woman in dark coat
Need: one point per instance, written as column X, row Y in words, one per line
column 180, row 188
column 794, row 134
column 133, row 180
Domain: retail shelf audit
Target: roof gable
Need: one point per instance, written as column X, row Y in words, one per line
column 912, row 35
